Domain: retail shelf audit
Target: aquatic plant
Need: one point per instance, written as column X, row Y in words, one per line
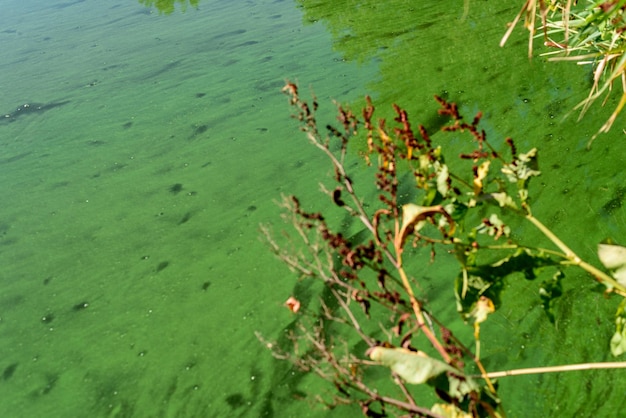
column 589, row 33
column 424, row 197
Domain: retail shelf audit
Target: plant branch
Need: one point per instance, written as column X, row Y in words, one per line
column 571, row 255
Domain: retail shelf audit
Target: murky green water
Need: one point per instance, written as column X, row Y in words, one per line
column 132, row 276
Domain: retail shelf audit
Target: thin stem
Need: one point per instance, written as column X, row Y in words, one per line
column 420, row 316
column 346, row 181
column 555, row 369
column 355, row 322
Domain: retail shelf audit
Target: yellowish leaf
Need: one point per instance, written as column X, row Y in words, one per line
column 618, row 341
column 481, row 174
column 413, row 367
column 449, row 411
column 482, row 309
column 417, row 367
column 414, row 216
column 613, row 257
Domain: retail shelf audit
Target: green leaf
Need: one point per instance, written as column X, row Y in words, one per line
column 417, row 368
column 521, row 170
column 457, row 210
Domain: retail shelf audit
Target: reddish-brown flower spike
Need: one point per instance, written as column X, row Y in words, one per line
column 477, row 118
column 511, row 144
column 448, row 109
column 455, row 111
column 424, row 135
column 368, row 112
column 306, row 110
column 474, row 155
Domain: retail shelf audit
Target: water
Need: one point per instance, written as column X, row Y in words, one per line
column 133, row 278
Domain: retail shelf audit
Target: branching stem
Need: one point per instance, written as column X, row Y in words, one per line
column 601, row 276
